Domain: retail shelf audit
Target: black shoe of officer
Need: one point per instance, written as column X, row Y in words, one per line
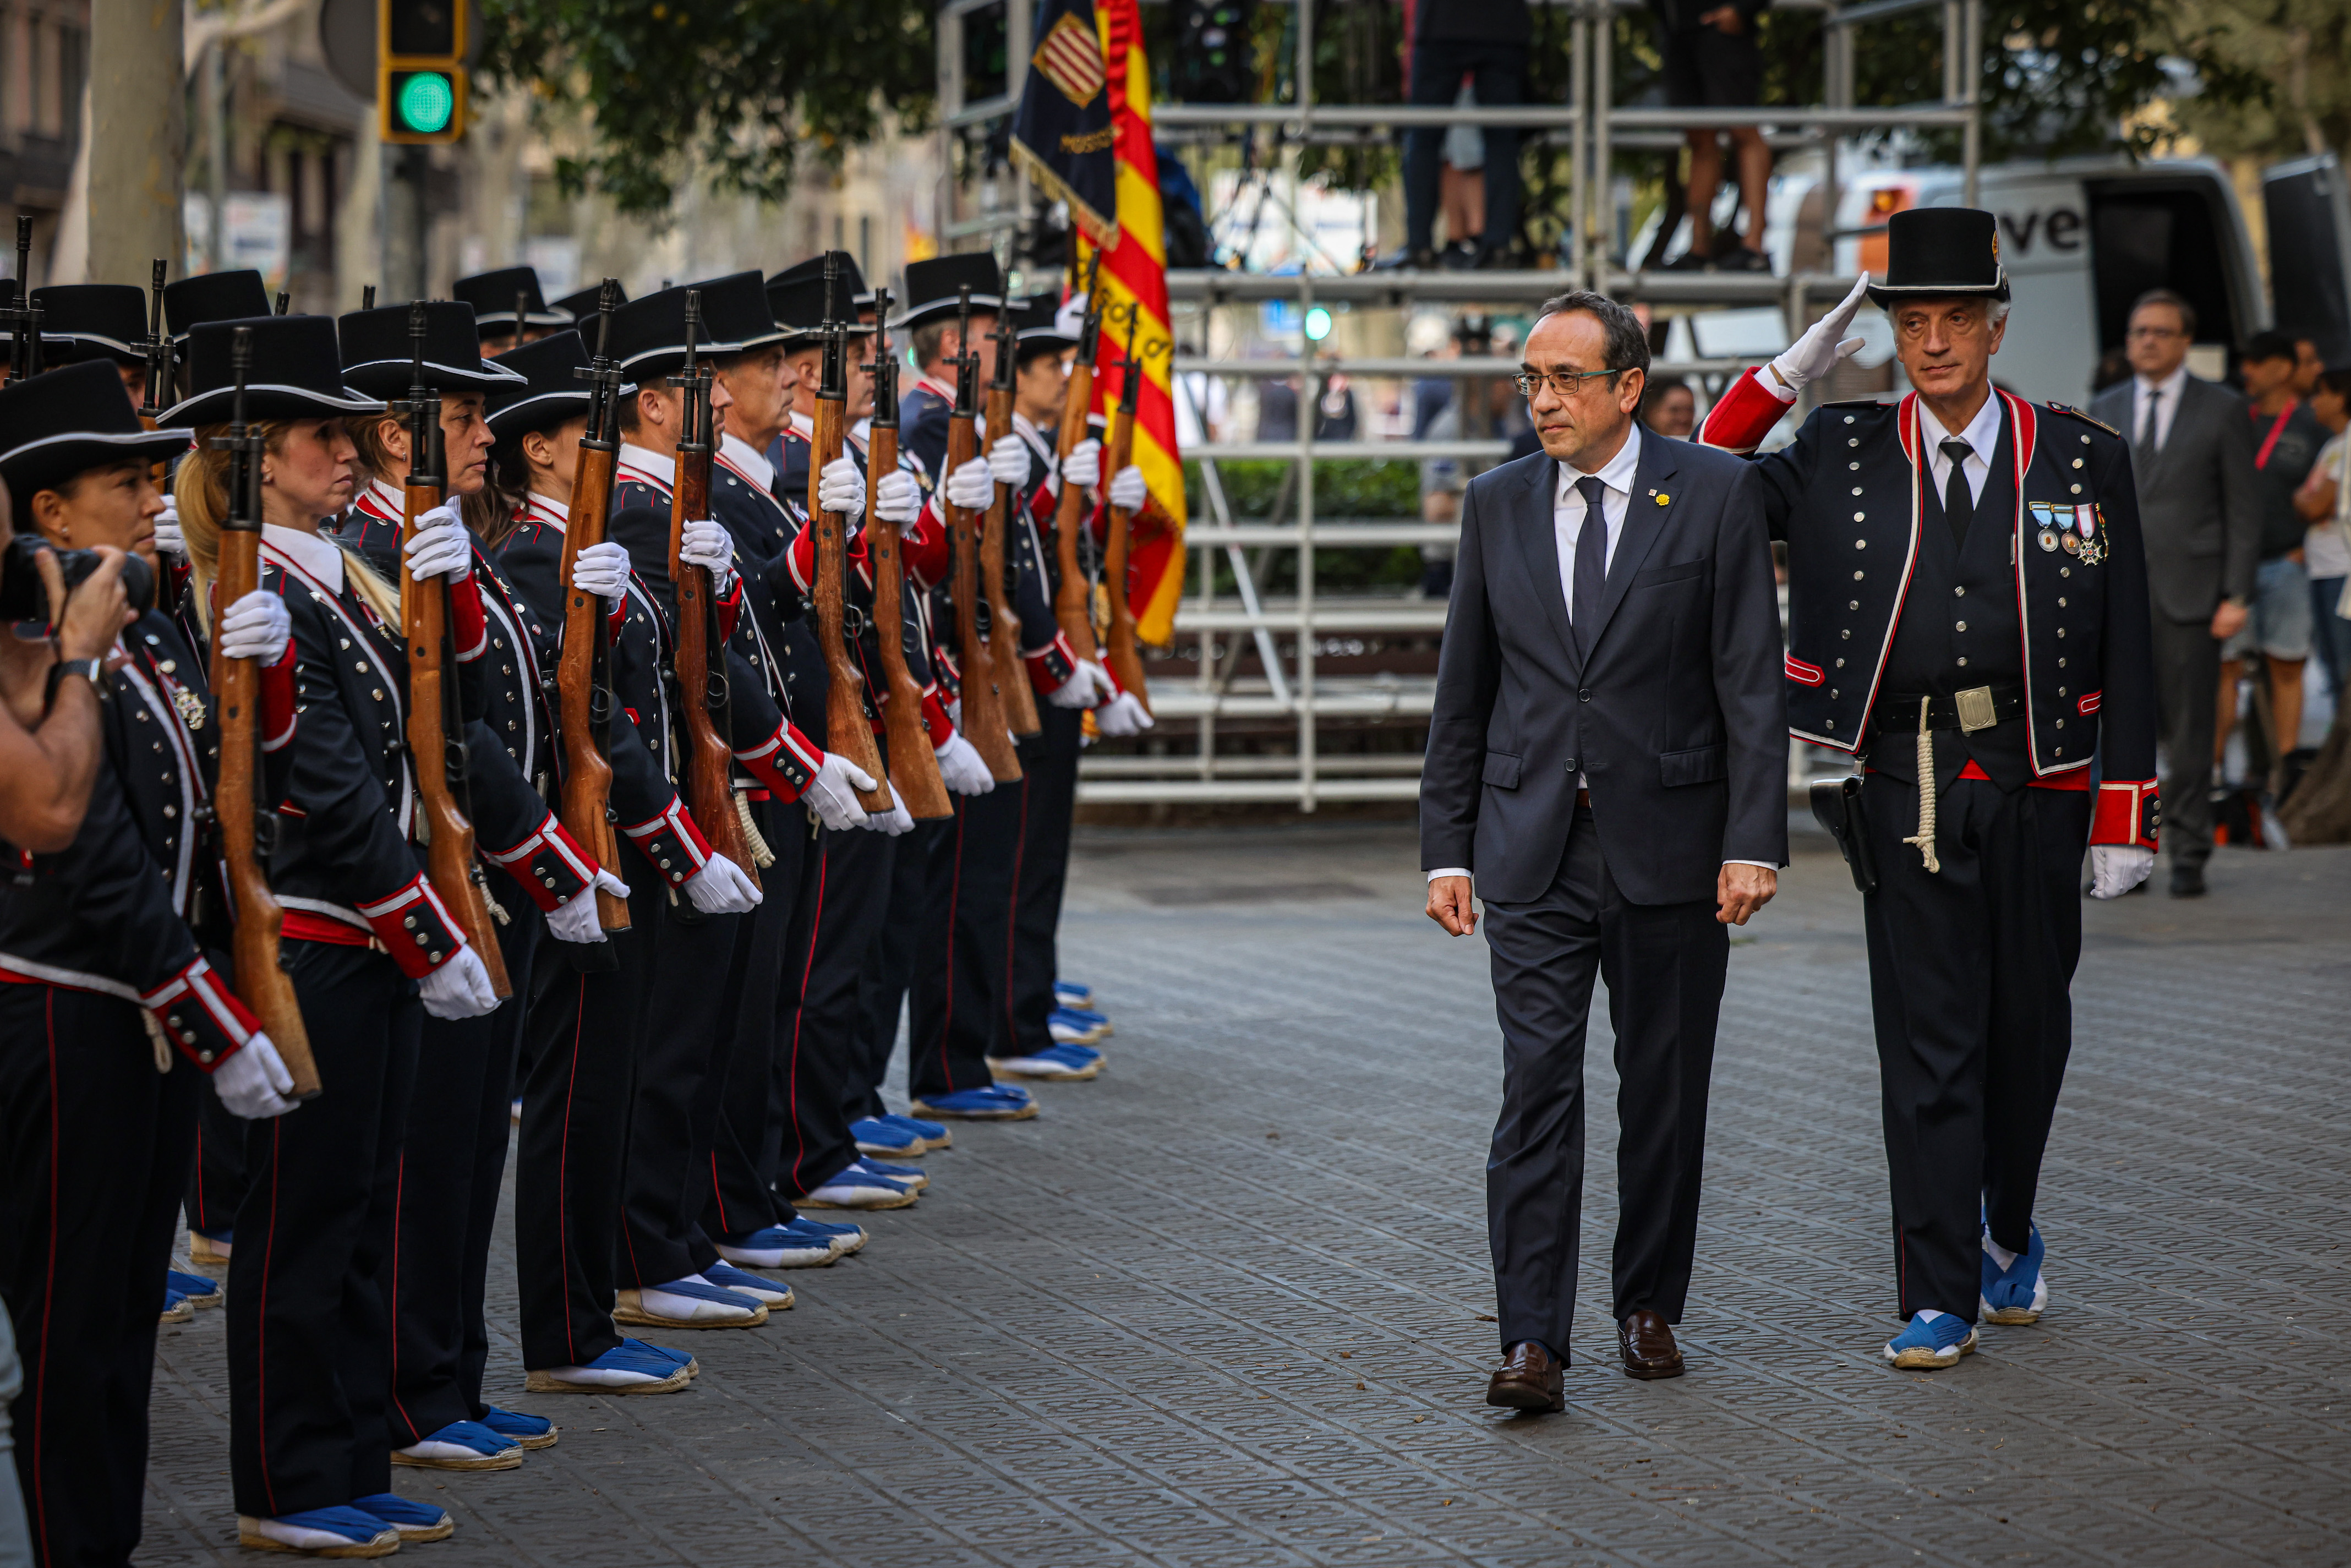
column 1419, row 260
column 2188, row 881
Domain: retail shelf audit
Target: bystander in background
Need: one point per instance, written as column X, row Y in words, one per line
column 1486, row 41
column 2287, row 438
column 1712, row 61
column 1669, row 408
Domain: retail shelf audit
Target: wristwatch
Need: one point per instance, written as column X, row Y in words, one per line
column 92, row 670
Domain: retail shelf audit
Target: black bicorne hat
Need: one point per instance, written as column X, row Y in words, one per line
column 580, row 303
column 100, row 321
column 551, row 390
column 71, row 420
column 1940, row 252
column 297, row 373
column 492, row 295
column 212, row 296
column 796, row 294
column 377, row 358
column 931, row 287
column 734, row 310
column 1037, row 327
column 649, row 335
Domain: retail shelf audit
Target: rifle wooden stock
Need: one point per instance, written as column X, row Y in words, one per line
column 449, row 860
column 1124, row 660
column 587, row 769
column 237, row 696
column 1011, row 673
column 847, row 731
column 1073, row 607
column 709, row 760
column 984, row 722
column 914, row 766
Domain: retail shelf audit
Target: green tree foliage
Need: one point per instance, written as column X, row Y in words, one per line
column 2303, row 48
column 740, row 89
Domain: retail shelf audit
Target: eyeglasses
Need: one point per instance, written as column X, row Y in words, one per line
column 2156, row 332
column 1566, row 383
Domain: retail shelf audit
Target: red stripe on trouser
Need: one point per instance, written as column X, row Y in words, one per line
column 261, row 1328
column 718, row 1196
column 954, row 895
column 1012, row 919
column 398, row 1195
column 799, row 1013
column 48, row 1286
column 563, row 1171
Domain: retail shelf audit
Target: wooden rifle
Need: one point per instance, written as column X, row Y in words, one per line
column 847, row 729
column 914, row 766
column 1073, row 599
column 157, row 349
column 1124, row 661
column 436, row 736
column 1003, row 621
column 984, row 722
column 700, row 659
column 248, row 834
column 584, row 669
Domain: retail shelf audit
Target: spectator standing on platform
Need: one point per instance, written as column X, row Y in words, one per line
column 2286, row 439
column 1671, row 408
column 1712, row 61
column 2200, row 517
column 2325, row 503
column 1487, row 41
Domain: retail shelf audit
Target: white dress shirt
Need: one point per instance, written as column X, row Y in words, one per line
column 1982, row 434
column 2171, row 386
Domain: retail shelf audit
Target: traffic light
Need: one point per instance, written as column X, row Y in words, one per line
column 420, row 70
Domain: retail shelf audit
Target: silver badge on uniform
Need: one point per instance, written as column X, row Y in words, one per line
column 2045, row 517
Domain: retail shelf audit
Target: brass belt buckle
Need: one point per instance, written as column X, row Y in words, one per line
column 1975, row 709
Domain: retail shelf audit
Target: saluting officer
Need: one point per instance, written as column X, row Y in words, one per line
column 1968, row 616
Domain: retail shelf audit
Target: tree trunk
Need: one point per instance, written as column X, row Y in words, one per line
column 138, row 138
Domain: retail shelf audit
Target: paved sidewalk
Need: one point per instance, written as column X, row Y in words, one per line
column 1225, row 1305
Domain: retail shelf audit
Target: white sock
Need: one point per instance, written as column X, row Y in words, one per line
column 1999, row 1254
column 1928, row 1315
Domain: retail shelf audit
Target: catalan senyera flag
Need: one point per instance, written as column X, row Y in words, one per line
column 1134, row 273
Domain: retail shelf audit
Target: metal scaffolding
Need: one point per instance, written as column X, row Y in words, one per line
column 1289, row 690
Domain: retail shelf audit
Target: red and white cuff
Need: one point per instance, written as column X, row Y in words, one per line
column 200, row 1015
column 1051, row 666
column 277, row 700
column 923, row 546
column 936, row 723
column 1744, row 415
column 415, row 928
column 549, row 865
column 730, row 608
column 672, row 842
column 469, row 627
column 2126, row 813
column 786, row 762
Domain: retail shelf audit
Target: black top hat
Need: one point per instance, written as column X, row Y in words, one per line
column 212, row 296
column 1941, row 252
column 734, row 310
column 581, row 304
column 931, row 285
column 297, row 373
column 551, row 390
column 649, row 335
column 99, row 320
column 1037, row 327
column 492, row 295
column 70, row 420
column 796, row 294
column 377, row 357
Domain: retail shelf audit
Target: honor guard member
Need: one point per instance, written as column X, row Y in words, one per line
column 929, row 322
column 111, row 1015
column 581, row 306
column 100, row 322
column 496, row 295
column 368, row 945
column 454, row 1158
column 1968, row 616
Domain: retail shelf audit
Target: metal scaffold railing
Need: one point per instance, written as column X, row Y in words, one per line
column 1381, row 643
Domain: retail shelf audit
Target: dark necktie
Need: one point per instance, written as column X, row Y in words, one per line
column 2144, row 454
column 1959, row 506
column 1591, row 566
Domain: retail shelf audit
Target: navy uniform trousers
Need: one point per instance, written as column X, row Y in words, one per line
column 1048, row 786
column 94, row 1151
column 1665, row 965
column 888, row 972
column 216, row 1185
column 844, row 894
column 737, row 1199
column 958, row 990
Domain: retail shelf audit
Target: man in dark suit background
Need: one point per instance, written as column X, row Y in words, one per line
column 1607, row 756
column 2200, row 511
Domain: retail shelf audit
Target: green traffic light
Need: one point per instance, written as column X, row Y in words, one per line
column 427, row 101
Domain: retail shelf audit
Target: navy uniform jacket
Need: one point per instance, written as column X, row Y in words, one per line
column 923, row 411
column 1850, row 496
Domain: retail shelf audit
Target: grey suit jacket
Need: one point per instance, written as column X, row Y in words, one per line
column 2198, row 510
column 1679, row 719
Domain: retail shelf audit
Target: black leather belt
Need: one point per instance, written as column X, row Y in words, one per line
column 1980, row 707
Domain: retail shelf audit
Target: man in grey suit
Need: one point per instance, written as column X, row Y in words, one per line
column 2200, row 511
column 1607, row 756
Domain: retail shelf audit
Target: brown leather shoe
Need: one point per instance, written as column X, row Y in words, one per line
column 1530, row 1379
column 1647, row 1341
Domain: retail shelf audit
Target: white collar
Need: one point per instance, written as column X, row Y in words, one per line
column 749, row 460
column 545, row 510
column 1025, row 427
column 1616, row 474
column 937, row 388
column 804, row 425
column 317, row 557
column 392, row 499
column 862, row 433
column 651, row 463
column 1983, row 433
column 2169, row 385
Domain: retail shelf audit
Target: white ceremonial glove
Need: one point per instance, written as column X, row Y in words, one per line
column 459, row 988
column 1128, row 490
column 841, row 488
column 440, row 547
column 1008, row 460
column 721, row 888
column 702, row 542
column 832, row 793
column 168, row 541
column 255, row 627
column 575, row 920
column 896, row 821
column 602, row 569
column 253, row 1083
column 2115, row 869
column 961, row 769
column 897, row 498
column 1122, row 715
column 1825, row 342
column 1089, row 687
column 972, row 487
column 1082, row 467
